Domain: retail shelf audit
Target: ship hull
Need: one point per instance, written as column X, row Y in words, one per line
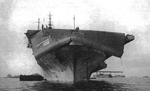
column 72, row 63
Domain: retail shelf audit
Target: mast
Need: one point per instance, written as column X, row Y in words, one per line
column 50, row 23
column 74, row 21
column 38, row 24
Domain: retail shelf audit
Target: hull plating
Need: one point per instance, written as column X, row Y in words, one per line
column 72, row 63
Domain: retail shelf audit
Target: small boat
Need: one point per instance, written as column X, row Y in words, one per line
column 33, row 77
column 145, row 76
column 103, row 76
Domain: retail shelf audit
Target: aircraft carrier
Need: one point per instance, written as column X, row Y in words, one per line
column 72, row 55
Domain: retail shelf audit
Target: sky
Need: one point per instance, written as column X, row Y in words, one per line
column 125, row 16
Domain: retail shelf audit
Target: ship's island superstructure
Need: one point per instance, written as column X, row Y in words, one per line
column 72, row 55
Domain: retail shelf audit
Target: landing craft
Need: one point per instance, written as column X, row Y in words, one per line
column 72, row 55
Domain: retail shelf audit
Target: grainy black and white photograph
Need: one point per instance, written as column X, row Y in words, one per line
column 74, row 45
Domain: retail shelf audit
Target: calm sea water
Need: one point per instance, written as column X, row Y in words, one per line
column 103, row 84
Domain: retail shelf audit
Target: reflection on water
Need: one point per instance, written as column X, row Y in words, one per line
column 91, row 85
column 84, row 86
column 103, row 84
